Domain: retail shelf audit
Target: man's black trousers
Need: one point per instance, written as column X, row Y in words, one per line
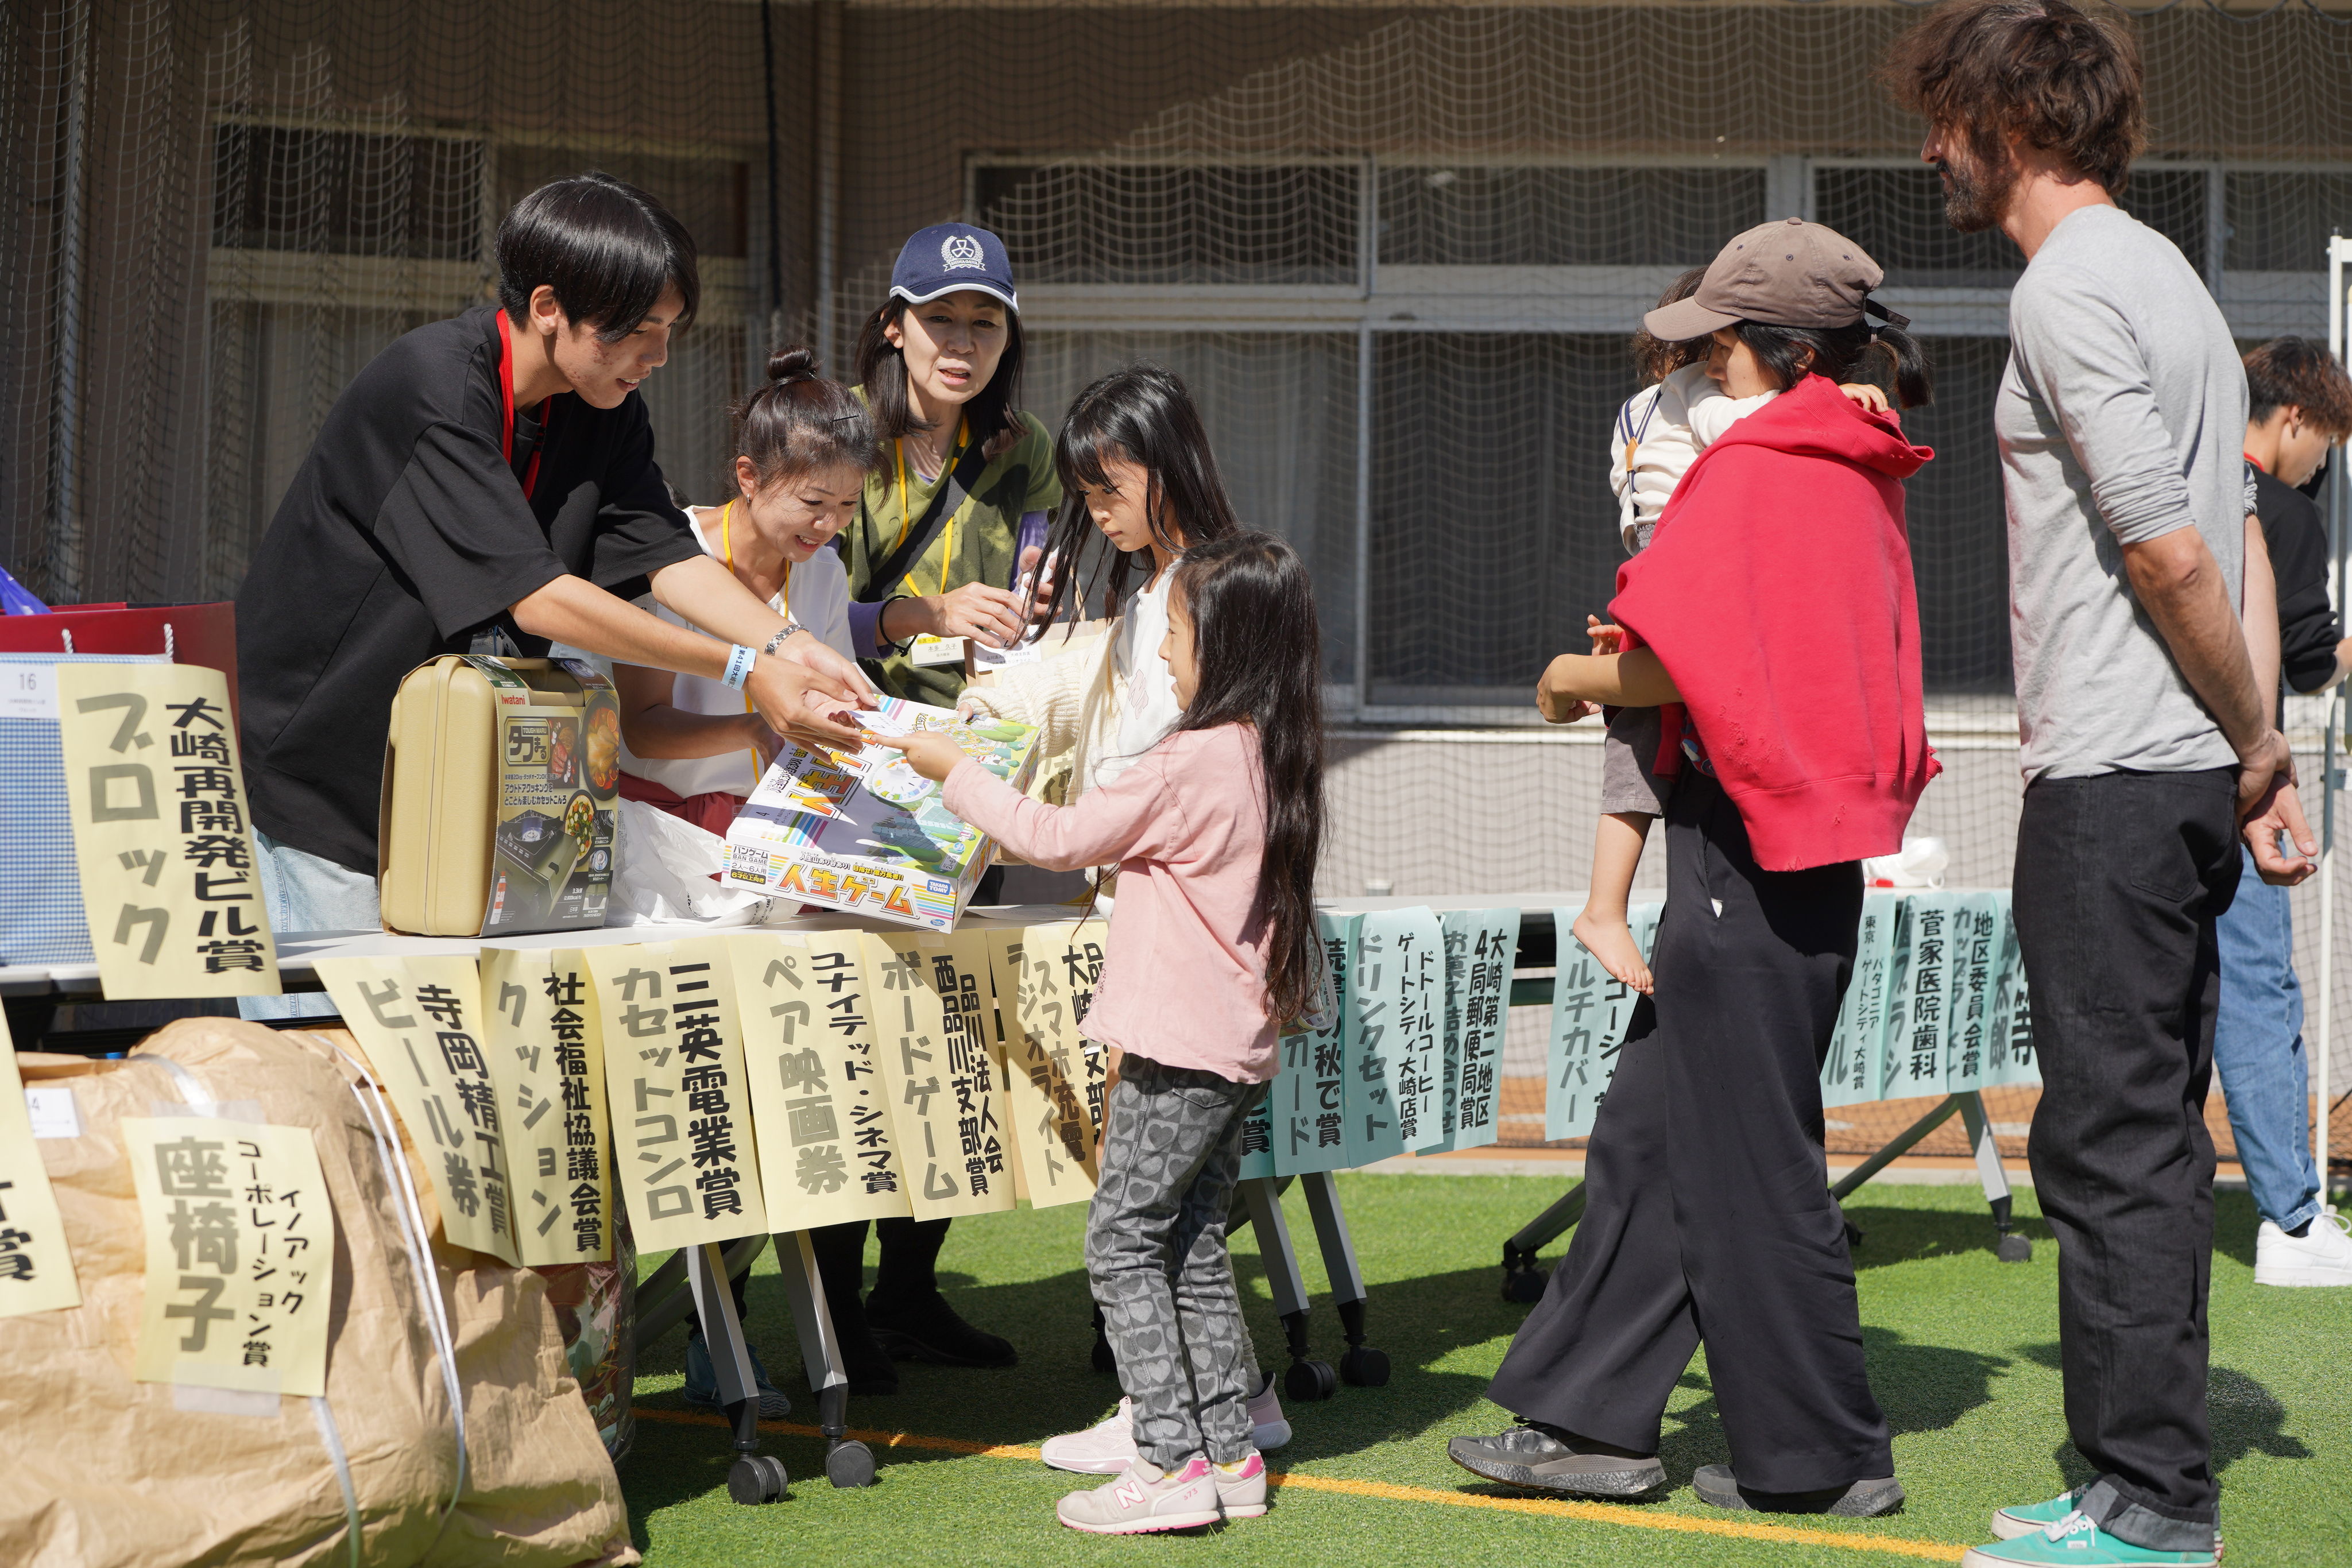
column 2120, row 878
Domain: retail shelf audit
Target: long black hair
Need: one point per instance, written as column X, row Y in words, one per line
column 1251, row 607
column 1144, row 414
column 1837, row 353
column 882, row 371
column 796, row 422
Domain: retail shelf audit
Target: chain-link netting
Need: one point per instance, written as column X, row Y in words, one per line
column 1395, row 250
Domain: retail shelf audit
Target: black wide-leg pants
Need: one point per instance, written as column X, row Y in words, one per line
column 1707, row 1217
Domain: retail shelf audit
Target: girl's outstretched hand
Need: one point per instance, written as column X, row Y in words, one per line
column 1868, row 396
column 928, row 752
column 1606, row 639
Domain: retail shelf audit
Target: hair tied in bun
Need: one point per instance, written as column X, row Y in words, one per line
column 791, row 366
column 798, row 421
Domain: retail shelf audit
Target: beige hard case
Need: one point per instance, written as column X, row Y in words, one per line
column 450, row 759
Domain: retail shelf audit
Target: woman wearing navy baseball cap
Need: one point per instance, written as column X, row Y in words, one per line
column 967, row 481
column 952, row 518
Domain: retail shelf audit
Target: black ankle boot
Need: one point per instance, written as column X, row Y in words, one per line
column 924, row 1328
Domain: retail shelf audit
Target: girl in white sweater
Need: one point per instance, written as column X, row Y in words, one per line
column 1136, row 468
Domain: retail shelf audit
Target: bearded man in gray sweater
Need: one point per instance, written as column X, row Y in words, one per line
column 2149, row 749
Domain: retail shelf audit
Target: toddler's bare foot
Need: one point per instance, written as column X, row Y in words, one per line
column 1612, row 942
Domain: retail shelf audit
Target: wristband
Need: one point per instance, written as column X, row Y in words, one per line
column 789, row 629
column 739, row 667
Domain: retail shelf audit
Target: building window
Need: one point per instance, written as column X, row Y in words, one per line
column 1175, row 223
column 1474, row 216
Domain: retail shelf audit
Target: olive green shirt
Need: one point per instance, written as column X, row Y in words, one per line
column 1016, row 481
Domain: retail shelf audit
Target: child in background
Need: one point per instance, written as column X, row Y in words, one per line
column 1659, row 432
column 1213, row 944
column 1135, row 470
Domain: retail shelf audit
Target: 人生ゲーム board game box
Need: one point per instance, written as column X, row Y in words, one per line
column 864, row 833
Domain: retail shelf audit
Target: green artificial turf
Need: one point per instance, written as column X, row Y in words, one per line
column 1963, row 1354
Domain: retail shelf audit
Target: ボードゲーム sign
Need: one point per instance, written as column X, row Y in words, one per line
column 240, row 1254
column 939, row 1069
column 163, row 845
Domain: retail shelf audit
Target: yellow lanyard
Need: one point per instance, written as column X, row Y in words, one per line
column 726, row 558
column 907, row 518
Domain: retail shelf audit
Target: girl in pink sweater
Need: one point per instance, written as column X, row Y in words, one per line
column 1212, row 946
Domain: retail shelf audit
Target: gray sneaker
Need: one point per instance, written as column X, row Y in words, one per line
column 1863, row 1499
column 1536, row 1458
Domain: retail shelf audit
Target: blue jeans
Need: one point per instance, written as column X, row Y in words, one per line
column 2258, row 1050
column 305, row 892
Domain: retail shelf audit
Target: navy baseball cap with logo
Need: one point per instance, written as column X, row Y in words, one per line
column 946, row 257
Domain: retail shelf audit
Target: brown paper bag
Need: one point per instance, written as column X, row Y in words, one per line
column 106, row 1471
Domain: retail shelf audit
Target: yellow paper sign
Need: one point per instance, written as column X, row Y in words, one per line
column 419, row 1020
column 1044, row 1077
column 36, row 1265
column 1064, row 962
column 946, row 1106
column 240, row 1254
column 165, row 856
column 681, row 1113
column 811, row 1067
column 547, row 1059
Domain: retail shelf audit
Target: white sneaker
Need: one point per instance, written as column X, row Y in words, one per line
column 2322, row 1255
column 1108, row 1448
column 1145, row 1498
column 1241, row 1487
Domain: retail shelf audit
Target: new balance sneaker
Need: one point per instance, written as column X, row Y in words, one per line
column 2076, row 1541
column 1108, row 1448
column 2025, row 1518
column 1241, row 1487
column 1546, row 1459
column 702, row 1382
column 1862, row 1499
column 1145, row 1498
column 2322, row 1255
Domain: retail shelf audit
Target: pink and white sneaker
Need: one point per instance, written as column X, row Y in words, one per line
column 1241, row 1487
column 1108, row 1448
column 1146, row 1499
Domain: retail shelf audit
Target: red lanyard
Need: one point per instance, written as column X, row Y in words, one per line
column 507, row 409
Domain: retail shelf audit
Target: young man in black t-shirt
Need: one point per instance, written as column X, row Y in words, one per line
column 491, row 474
column 2299, row 406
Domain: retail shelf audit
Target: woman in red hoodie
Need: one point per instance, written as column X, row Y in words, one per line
column 1773, row 618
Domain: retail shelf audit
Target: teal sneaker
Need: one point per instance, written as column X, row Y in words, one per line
column 2075, row 1542
column 2009, row 1524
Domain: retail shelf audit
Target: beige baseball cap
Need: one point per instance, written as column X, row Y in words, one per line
column 1789, row 273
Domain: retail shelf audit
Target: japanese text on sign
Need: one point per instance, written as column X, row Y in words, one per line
column 673, row 1071
column 164, row 849
column 417, row 1019
column 547, row 1057
column 240, row 1254
column 808, row 1052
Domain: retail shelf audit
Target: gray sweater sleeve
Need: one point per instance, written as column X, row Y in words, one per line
column 2078, row 352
